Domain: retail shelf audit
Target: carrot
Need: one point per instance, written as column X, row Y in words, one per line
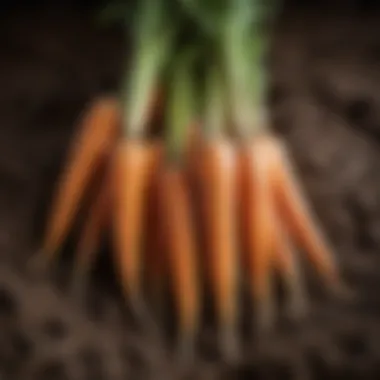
column 296, row 214
column 286, row 264
column 218, row 200
column 155, row 250
column 134, row 167
column 193, row 159
column 256, row 160
column 97, row 219
column 176, row 203
column 98, row 134
column 181, row 243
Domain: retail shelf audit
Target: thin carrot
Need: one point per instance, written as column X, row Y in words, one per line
column 286, row 264
column 135, row 162
column 99, row 216
column 181, row 242
column 218, row 190
column 296, row 214
column 136, row 158
column 256, row 160
column 217, row 175
column 177, row 204
column 97, row 135
column 155, row 262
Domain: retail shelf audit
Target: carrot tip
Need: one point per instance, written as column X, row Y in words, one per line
column 186, row 347
column 341, row 290
column 40, row 263
column 79, row 281
column 157, row 302
column 82, row 268
column 229, row 343
column 265, row 314
column 142, row 316
column 297, row 305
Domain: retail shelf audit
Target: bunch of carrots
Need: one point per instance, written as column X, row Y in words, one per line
column 210, row 200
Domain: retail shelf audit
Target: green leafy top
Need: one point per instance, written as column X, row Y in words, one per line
column 182, row 106
column 153, row 35
column 234, row 34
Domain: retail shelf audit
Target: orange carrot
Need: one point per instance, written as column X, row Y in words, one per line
column 135, row 162
column 218, row 200
column 286, row 264
column 181, row 242
column 155, row 255
column 256, row 160
column 98, row 134
column 97, row 219
column 296, row 214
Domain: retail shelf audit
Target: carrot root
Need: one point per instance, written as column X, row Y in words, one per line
column 287, row 266
column 155, row 250
column 257, row 161
column 134, row 167
column 302, row 223
column 218, row 193
column 97, row 219
column 180, row 239
column 98, row 133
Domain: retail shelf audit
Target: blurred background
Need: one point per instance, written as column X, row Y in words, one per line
column 325, row 101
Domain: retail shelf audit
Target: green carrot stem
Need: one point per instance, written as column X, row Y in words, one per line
column 181, row 108
column 214, row 122
column 141, row 84
column 243, row 74
column 244, row 47
column 153, row 38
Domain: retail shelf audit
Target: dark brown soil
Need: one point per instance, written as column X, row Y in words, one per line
column 325, row 102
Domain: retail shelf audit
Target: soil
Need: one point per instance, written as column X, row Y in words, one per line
column 325, row 102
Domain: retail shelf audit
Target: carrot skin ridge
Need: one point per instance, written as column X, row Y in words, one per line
column 97, row 135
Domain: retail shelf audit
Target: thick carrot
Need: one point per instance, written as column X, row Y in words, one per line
column 182, row 250
column 296, row 214
column 218, row 200
column 98, row 217
column 256, row 158
column 98, row 134
column 135, row 162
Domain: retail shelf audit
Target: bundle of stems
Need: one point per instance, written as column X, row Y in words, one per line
column 213, row 199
